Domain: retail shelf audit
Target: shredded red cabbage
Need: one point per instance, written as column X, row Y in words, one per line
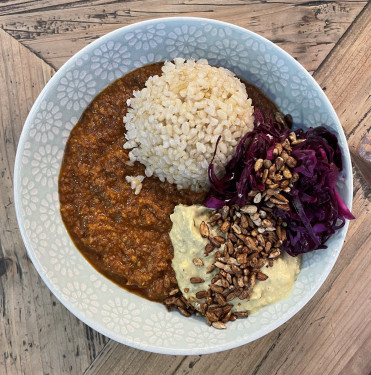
column 239, row 176
column 316, row 208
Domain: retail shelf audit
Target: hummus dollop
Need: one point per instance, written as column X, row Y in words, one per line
column 188, row 244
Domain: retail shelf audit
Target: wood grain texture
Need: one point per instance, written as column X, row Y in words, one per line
column 37, row 333
column 331, row 334
column 55, row 30
column 346, row 78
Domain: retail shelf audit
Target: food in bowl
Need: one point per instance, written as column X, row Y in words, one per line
column 223, row 284
column 106, row 220
column 108, row 223
column 186, row 109
column 277, row 193
column 124, row 233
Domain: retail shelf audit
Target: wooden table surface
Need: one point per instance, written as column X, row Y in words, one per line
column 332, row 333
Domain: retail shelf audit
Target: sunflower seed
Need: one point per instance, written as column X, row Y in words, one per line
column 225, row 226
column 286, row 145
column 241, row 258
column 220, row 239
column 267, row 164
column 244, row 295
column 297, row 141
column 204, row 230
column 216, row 288
column 218, row 298
column 279, row 163
column 240, row 282
column 291, row 162
column 284, row 207
column 257, row 198
column 252, row 280
column 250, row 243
column 201, row 294
column 288, row 119
column 196, row 280
column 279, row 117
column 236, row 228
column 211, row 316
column 276, row 201
column 214, row 242
column 198, row 262
column 284, row 183
column 286, row 173
column 295, row 177
column 170, row 300
column 277, row 177
column 208, row 249
column 219, row 325
column 266, row 223
column 257, row 222
column 260, row 239
column 225, row 212
column 261, row 276
column 262, row 214
column 281, row 198
column 284, row 155
column 232, row 237
column 249, row 209
column 210, row 268
column 226, row 317
column 184, row 312
column 241, row 314
column 274, row 254
column 252, row 193
column 215, row 217
column 258, row 164
column 292, row 137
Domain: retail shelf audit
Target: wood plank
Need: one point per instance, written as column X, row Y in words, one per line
column 37, row 334
column 120, row 359
column 56, row 30
column 331, row 334
column 24, row 6
column 346, row 79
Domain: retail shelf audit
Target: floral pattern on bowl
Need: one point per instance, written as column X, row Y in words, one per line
column 94, row 299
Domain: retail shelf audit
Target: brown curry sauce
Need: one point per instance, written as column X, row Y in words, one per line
column 123, row 235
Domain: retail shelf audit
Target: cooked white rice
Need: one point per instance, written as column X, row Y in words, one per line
column 174, row 122
column 135, row 183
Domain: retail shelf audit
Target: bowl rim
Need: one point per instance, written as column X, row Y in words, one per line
column 90, row 321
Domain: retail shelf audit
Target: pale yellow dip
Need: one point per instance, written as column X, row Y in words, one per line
column 189, row 244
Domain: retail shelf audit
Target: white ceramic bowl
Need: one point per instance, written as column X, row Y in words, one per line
column 94, row 299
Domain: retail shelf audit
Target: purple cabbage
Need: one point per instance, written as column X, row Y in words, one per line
column 317, row 209
column 239, row 177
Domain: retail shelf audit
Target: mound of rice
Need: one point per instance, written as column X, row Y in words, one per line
column 174, row 122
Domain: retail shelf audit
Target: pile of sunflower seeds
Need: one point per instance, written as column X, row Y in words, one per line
column 250, row 237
